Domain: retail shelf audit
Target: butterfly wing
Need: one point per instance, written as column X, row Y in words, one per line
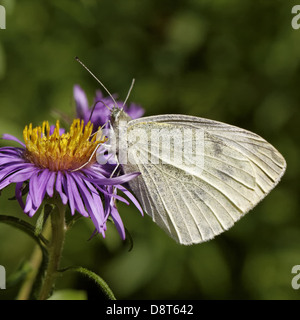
column 194, row 200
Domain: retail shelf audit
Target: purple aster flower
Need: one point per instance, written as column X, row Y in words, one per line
column 58, row 164
column 101, row 112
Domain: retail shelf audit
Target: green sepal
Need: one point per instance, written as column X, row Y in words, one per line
column 42, row 218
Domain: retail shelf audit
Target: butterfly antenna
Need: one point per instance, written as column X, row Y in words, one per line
column 98, row 129
column 115, row 169
column 129, row 91
column 103, row 86
column 94, row 106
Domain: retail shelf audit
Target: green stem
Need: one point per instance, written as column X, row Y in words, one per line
column 39, row 266
column 93, row 276
column 39, row 257
column 55, row 250
column 35, row 262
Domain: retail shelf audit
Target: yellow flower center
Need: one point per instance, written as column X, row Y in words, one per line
column 68, row 151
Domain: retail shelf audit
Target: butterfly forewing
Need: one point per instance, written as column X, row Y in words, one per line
column 195, row 196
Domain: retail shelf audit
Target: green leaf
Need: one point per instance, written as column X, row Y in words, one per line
column 69, row 294
column 93, row 276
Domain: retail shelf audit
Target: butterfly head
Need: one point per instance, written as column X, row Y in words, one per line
column 118, row 114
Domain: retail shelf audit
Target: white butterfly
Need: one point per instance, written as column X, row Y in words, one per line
column 194, row 200
column 238, row 169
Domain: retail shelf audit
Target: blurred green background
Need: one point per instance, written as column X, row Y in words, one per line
column 232, row 61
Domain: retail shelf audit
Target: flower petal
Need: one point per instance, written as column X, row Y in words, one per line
column 6, row 136
column 115, row 180
column 131, row 197
column 69, row 192
column 38, row 186
column 59, row 187
column 50, row 184
column 22, row 175
column 9, row 169
column 18, row 194
column 134, row 111
column 118, row 222
column 16, row 174
column 30, row 208
column 13, row 151
column 8, row 161
column 92, row 202
column 82, row 105
column 76, row 197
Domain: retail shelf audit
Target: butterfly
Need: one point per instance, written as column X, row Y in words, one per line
column 193, row 201
column 194, row 196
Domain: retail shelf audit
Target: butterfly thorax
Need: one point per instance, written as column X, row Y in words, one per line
column 119, row 120
column 118, row 115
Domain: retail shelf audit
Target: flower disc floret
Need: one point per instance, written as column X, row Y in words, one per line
column 48, row 148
